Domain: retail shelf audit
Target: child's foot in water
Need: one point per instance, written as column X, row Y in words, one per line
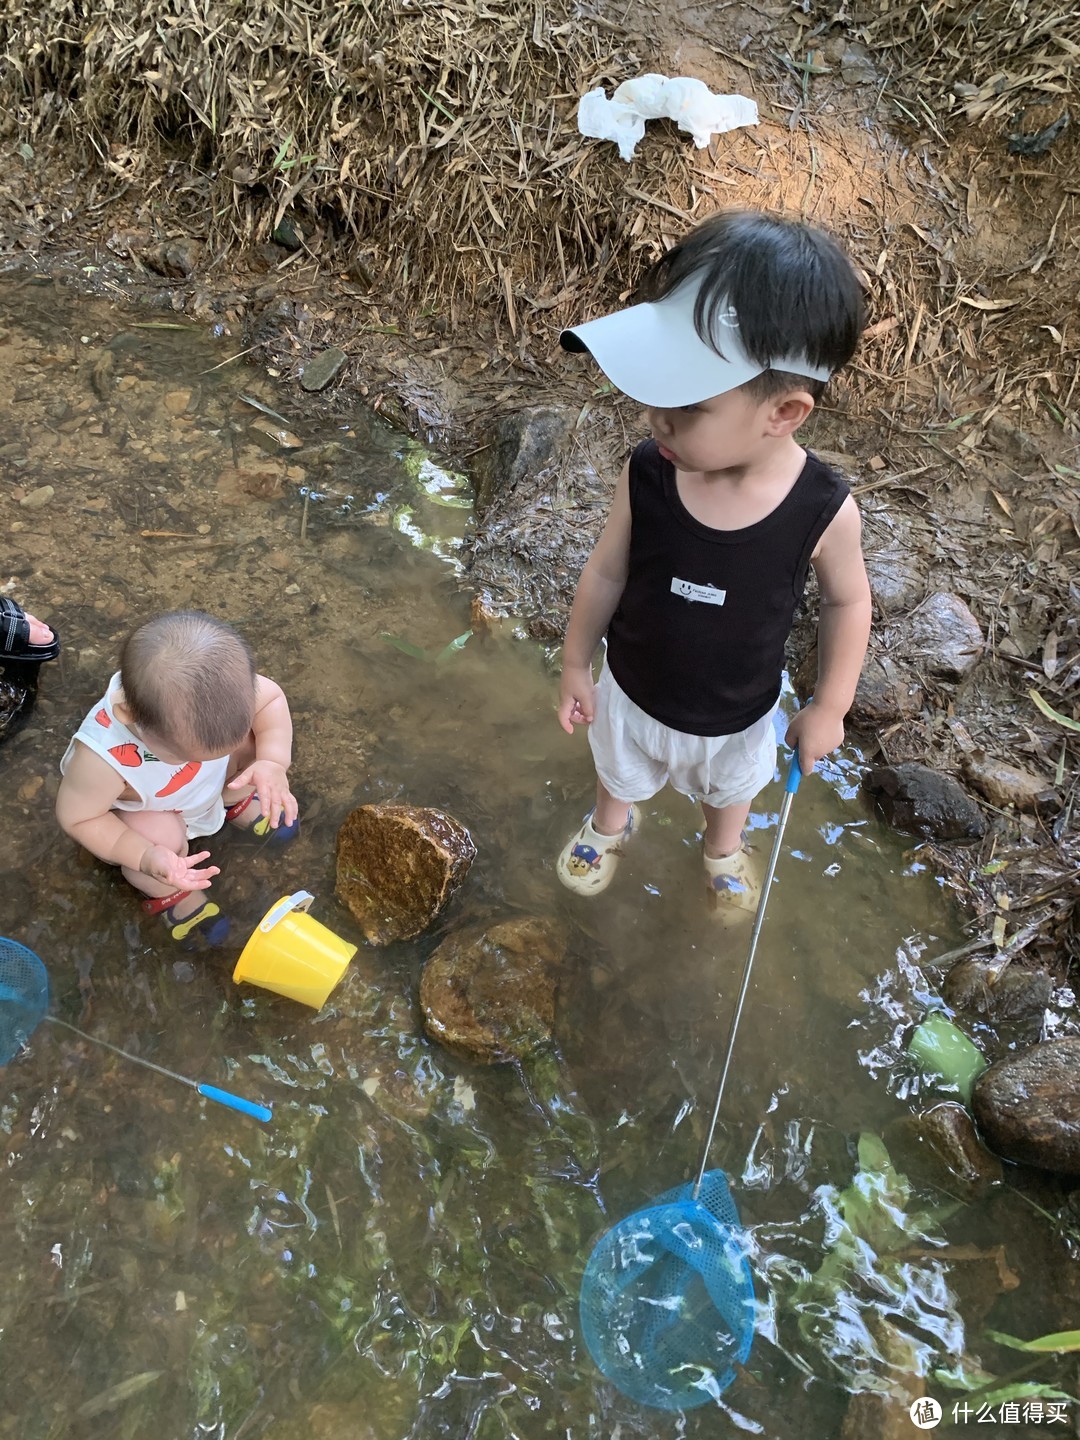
column 733, row 885
column 246, row 815
column 190, row 917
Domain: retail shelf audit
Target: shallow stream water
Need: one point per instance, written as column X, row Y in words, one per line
column 397, row 1256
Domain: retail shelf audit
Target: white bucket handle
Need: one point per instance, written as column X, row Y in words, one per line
column 300, row 901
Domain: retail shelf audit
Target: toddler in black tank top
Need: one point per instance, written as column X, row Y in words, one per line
column 713, row 527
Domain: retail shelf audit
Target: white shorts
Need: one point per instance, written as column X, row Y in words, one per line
column 636, row 756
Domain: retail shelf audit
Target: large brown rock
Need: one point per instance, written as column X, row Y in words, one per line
column 488, row 994
column 1028, row 1106
column 398, row 865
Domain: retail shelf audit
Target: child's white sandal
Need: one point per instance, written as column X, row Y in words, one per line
column 589, row 860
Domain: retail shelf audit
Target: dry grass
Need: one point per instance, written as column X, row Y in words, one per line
column 429, row 152
column 975, row 60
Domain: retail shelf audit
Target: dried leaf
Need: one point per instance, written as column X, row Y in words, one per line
column 978, row 303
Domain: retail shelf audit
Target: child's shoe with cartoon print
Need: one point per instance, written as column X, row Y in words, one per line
column 733, row 885
column 588, row 861
column 260, row 825
column 205, row 925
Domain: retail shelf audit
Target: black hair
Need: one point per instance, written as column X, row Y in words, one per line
column 792, row 287
column 189, row 677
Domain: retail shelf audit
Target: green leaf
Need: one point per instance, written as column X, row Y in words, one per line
column 1063, row 1342
column 405, row 646
column 1023, row 1390
column 25, row 151
column 452, row 649
column 282, row 152
column 1052, row 714
column 431, row 100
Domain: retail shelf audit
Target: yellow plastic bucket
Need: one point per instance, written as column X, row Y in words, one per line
column 293, row 955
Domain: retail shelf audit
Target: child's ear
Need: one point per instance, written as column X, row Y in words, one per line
column 789, row 412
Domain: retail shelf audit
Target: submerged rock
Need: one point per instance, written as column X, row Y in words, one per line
column 1028, row 1106
column 922, row 801
column 1002, row 996
column 488, row 994
column 940, row 1147
column 398, row 865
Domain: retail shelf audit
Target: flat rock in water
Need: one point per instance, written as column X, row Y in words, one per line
column 398, row 865
column 920, row 801
column 874, row 1416
column 1002, row 996
column 271, row 437
column 488, row 994
column 941, row 1147
column 941, row 636
column 321, row 370
column 1028, row 1106
column 324, row 1421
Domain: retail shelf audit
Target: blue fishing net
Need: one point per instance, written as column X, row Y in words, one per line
column 24, row 996
column 667, row 1301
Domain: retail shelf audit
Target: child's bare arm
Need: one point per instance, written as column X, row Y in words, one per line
column 595, row 601
column 84, row 810
column 272, row 731
column 843, row 632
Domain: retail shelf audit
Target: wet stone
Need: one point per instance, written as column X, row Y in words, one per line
column 940, row 1147
column 398, row 866
column 520, row 444
column 272, row 438
column 174, row 258
column 1005, row 785
column 896, row 582
column 37, row 499
column 941, row 636
column 886, row 693
column 1015, row 994
column 1028, row 1106
column 321, row 370
column 920, row 801
column 488, row 994
column 177, row 402
column 874, row 1416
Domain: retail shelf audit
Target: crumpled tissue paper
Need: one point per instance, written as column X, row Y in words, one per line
column 690, row 103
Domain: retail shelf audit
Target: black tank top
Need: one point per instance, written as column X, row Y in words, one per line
column 698, row 638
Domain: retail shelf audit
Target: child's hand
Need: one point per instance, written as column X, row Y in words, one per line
column 577, row 705
column 161, row 863
column 271, row 784
column 816, row 731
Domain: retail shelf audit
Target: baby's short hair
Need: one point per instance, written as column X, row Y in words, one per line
column 189, row 678
column 791, row 285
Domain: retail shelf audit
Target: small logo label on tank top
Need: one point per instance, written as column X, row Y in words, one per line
column 707, row 594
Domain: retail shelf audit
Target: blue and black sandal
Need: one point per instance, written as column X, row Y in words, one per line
column 204, row 926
